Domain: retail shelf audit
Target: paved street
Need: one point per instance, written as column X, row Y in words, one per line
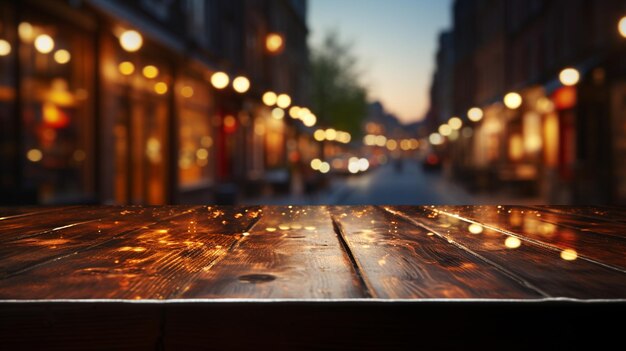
column 385, row 185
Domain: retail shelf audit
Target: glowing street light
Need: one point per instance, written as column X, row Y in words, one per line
column 150, row 71
column 241, row 84
column 160, row 88
column 126, row 68
column 274, row 43
column 62, row 56
column 513, row 100
column 220, row 80
column 278, row 113
column 131, row 40
column 283, row 100
column 445, row 129
column 435, row 139
column 294, row 112
column 269, row 98
column 319, row 135
column 44, row 43
column 569, row 76
column 455, row 123
column 475, row 114
column 5, row 47
column 621, row 26
column 309, row 120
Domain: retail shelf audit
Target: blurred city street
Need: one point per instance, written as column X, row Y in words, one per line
column 261, row 101
column 392, row 185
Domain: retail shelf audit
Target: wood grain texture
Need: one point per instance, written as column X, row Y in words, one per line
column 402, row 260
column 21, row 254
column 309, row 252
column 547, row 229
column 542, row 267
column 153, row 261
column 289, row 253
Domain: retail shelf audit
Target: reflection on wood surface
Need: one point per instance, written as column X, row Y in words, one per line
column 305, row 252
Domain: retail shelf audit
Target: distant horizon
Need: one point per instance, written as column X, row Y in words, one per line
column 395, row 43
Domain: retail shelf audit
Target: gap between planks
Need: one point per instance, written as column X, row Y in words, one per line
column 524, row 238
column 498, row 267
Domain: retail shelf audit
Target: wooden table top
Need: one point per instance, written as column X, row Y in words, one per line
column 312, row 252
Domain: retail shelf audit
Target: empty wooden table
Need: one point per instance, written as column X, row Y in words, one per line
column 291, row 277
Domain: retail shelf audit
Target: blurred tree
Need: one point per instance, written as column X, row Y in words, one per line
column 339, row 99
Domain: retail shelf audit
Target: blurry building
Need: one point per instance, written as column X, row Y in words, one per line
column 560, row 136
column 84, row 119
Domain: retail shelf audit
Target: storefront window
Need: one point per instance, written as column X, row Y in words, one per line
column 195, row 159
column 275, row 142
column 57, row 110
column 135, row 99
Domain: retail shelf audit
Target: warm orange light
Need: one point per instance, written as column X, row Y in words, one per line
column 565, row 98
column 513, row 100
column 53, row 116
column 283, row 100
column 269, row 98
column 392, row 145
column 44, row 43
column 26, row 32
column 150, row 71
column 186, row 91
column 241, row 84
column 569, row 255
column 274, row 42
column 160, row 88
column 331, row 134
column 34, row 155
column 229, row 122
column 5, row 47
column 319, row 135
column 126, row 68
column 435, row 139
column 475, row 114
column 445, row 130
column 455, row 123
column 220, row 80
column 516, row 147
column 62, row 56
column 621, row 26
column 309, row 120
column 294, row 112
column 512, row 242
column 278, row 113
column 131, row 40
column 569, row 76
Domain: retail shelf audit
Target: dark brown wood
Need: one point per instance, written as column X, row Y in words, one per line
column 150, row 262
column 557, row 231
column 21, row 254
column 402, row 260
column 290, row 253
column 311, row 252
column 542, row 267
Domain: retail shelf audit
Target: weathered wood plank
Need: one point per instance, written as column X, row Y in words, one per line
column 37, row 224
column 596, row 224
column 153, row 262
column 536, row 226
column 290, row 253
column 401, row 260
column 543, row 267
column 22, row 254
column 596, row 213
column 16, row 212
